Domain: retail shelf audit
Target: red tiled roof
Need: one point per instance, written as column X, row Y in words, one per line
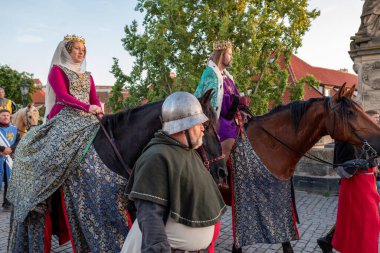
column 325, row 76
column 38, row 97
column 37, row 82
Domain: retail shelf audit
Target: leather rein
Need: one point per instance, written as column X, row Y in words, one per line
column 207, row 162
column 367, row 149
column 115, row 149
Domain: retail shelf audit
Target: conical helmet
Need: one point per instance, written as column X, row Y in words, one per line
column 181, row 111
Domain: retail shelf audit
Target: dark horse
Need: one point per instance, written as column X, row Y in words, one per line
column 88, row 216
column 132, row 129
column 288, row 132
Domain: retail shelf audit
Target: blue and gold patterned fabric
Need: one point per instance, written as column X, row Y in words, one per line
column 96, row 203
column 46, row 156
column 262, row 203
column 52, row 156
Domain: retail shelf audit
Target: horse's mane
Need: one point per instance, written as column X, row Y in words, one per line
column 211, row 114
column 129, row 114
column 297, row 108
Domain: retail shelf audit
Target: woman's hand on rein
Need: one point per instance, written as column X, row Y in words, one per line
column 94, row 109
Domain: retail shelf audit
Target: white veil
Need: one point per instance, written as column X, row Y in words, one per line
column 60, row 57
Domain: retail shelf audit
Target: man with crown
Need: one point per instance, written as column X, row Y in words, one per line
column 226, row 99
column 59, row 184
column 9, row 139
column 227, row 103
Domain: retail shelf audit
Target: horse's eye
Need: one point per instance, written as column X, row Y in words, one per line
column 29, row 117
column 350, row 113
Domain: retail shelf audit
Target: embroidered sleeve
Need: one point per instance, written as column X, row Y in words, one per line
column 208, row 81
column 60, row 83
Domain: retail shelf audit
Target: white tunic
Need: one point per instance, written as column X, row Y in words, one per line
column 179, row 237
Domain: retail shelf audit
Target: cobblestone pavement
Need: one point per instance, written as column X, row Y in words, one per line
column 316, row 213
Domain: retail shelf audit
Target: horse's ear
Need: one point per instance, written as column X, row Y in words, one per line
column 206, row 98
column 341, row 91
column 350, row 92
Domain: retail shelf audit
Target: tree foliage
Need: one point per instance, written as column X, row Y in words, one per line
column 178, row 36
column 11, row 79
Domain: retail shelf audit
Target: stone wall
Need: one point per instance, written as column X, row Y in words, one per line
column 317, row 177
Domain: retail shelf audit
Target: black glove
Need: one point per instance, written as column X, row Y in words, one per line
column 356, row 164
column 233, row 109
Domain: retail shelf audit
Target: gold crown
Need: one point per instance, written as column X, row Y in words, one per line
column 222, row 45
column 74, row 38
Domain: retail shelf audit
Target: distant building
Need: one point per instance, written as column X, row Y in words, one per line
column 104, row 93
column 329, row 80
column 38, row 97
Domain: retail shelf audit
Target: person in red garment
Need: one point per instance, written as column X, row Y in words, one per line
column 59, row 184
column 358, row 224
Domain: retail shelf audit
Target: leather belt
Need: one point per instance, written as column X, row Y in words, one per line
column 365, row 173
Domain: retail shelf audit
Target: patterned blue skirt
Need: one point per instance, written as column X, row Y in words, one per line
column 52, row 157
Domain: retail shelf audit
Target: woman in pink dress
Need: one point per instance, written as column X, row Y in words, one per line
column 59, row 184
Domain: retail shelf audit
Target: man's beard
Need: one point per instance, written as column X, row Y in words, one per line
column 227, row 64
column 197, row 143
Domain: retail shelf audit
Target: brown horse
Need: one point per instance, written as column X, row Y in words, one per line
column 339, row 116
column 25, row 118
column 281, row 137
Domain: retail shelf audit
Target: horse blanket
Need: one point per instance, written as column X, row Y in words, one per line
column 262, row 206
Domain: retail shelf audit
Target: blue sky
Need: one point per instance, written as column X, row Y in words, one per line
column 31, row 30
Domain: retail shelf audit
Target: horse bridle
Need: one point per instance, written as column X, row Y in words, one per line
column 367, row 149
column 28, row 124
column 115, row 149
column 207, row 162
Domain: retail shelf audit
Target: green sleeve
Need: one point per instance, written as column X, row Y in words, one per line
column 209, row 80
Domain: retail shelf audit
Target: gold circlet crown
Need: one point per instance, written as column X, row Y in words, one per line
column 74, row 38
column 222, row 45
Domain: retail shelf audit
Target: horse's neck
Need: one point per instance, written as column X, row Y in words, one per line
column 133, row 129
column 277, row 157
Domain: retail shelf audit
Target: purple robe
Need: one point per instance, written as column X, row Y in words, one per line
column 227, row 128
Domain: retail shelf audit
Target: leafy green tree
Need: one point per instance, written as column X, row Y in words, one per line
column 11, row 79
column 178, row 36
